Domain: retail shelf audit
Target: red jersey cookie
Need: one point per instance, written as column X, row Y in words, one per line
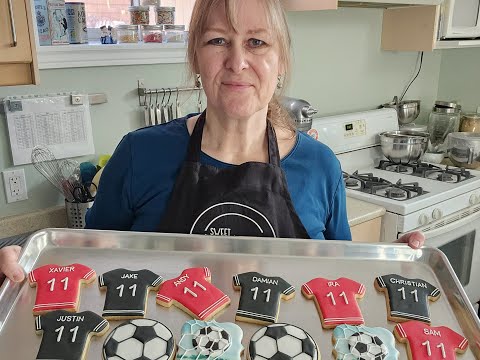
column 430, row 343
column 336, row 300
column 193, row 293
column 58, row 287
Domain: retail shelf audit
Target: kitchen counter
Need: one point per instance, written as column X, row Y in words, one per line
column 359, row 211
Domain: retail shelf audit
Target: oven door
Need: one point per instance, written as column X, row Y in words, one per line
column 458, row 236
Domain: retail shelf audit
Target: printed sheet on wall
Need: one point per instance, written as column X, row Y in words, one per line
column 51, row 121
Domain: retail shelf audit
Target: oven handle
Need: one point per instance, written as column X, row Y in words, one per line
column 448, row 227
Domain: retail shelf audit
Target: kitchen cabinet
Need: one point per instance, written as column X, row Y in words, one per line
column 416, row 29
column 368, row 231
column 18, row 62
column 306, row 5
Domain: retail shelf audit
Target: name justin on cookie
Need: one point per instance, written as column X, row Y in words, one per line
column 71, row 318
column 408, row 283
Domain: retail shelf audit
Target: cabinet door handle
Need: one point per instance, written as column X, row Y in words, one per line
column 12, row 23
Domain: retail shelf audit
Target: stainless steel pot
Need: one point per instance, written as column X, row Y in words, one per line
column 464, row 149
column 407, row 111
column 403, row 146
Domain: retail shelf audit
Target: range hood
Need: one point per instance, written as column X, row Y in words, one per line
column 386, row 4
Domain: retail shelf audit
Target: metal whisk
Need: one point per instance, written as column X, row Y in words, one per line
column 51, row 168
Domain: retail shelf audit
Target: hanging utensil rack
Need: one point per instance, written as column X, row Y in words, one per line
column 143, row 92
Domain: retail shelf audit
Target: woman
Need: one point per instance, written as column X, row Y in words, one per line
column 240, row 168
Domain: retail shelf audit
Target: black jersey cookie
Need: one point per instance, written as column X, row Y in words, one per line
column 282, row 341
column 260, row 297
column 407, row 299
column 66, row 335
column 127, row 292
column 144, row 339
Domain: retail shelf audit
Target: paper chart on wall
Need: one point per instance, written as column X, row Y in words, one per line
column 48, row 120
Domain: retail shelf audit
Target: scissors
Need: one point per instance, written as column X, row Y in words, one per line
column 83, row 193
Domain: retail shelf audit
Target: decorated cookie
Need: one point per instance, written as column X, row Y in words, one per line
column 193, row 293
column 66, row 335
column 426, row 342
column 127, row 292
column 407, row 298
column 209, row 340
column 336, row 300
column 58, row 287
column 143, row 339
column 363, row 343
column 282, row 341
column 260, row 297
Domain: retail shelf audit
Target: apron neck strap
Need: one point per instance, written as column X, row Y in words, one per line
column 195, row 143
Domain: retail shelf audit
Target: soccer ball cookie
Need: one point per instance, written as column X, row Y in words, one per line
column 210, row 340
column 363, row 343
column 144, row 339
column 282, row 341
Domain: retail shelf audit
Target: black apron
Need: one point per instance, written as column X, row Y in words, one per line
column 250, row 199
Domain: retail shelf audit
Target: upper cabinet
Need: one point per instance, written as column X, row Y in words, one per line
column 304, row 5
column 18, row 62
column 419, row 29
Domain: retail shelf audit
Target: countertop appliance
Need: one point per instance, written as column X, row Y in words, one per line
column 300, row 110
column 443, row 202
column 460, row 19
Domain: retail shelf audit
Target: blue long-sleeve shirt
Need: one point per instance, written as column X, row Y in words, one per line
column 137, row 182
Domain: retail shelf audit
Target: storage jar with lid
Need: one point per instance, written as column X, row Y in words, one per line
column 139, row 15
column 165, row 15
column 152, row 33
column 470, row 122
column 174, row 34
column 127, row 34
column 441, row 122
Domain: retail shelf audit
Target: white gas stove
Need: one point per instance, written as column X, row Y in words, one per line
column 443, row 202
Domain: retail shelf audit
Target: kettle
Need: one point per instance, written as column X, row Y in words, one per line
column 300, row 111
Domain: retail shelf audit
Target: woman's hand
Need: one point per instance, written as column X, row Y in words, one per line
column 415, row 239
column 9, row 263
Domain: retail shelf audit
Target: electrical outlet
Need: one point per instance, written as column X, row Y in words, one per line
column 15, row 185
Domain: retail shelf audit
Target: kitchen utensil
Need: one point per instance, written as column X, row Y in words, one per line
column 464, row 149
column 434, row 158
column 407, row 111
column 178, row 110
column 45, row 162
column 84, row 193
column 300, row 111
column 403, row 147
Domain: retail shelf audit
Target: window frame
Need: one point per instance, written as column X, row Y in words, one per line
column 95, row 55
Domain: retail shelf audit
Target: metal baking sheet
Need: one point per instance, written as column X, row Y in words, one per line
column 297, row 261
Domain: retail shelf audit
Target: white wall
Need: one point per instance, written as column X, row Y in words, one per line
column 338, row 67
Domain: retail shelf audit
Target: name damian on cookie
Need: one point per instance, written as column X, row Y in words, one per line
column 264, row 280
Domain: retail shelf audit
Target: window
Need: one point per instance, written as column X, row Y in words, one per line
column 115, row 12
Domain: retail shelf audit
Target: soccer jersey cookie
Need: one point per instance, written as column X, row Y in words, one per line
column 362, row 342
column 407, row 299
column 127, row 292
column 66, row 335
column 193, row 293
column 58, row 287
column 260, row 297
column 209, row 340
column 144, row 339
column 336, row 300
column 426, row 342
column 282, row 341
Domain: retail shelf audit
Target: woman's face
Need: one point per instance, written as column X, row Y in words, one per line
column 239, row 71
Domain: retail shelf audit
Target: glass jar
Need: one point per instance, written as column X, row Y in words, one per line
column 165, row 15
column 152, row 33
column 470, row 122
column 139, row 15
column 441, row 122
column 127, row 34
column 174, row 34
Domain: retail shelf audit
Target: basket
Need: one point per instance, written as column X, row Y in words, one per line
column 76, row 212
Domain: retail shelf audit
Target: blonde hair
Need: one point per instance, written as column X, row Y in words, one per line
column 277, row 115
